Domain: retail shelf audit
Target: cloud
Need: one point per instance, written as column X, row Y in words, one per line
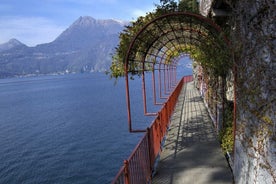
column 138, row 13
column 29, row 30
column 142, row 12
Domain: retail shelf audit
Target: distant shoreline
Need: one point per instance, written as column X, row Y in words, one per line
column 49, row 74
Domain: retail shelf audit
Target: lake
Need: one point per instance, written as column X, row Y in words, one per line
column 66, row 129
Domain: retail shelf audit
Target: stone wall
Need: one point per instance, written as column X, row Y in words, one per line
column 205, row 7
column 253, row 37
column 253, row 33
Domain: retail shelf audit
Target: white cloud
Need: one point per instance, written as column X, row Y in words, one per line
column 142, row 12
column 138, row 13
column 29, row 30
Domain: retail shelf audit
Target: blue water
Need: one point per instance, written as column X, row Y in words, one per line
column 63, row 129
column 66, row 129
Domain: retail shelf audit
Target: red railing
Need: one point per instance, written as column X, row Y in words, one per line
column 138, row 168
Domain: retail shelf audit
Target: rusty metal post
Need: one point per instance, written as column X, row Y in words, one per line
column 151, row 162
column 128, row 103
column 175, row 75
column 169, row 78
column 165, row 83
column 146, row 113
column 159, row 81
column 126, row 172
column 128, row 106
column 144, row 92
column 170, row 71
column 154, row 87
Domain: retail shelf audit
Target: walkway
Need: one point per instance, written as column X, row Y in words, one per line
column 191, row 153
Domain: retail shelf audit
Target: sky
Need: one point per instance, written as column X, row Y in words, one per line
column 35, row 22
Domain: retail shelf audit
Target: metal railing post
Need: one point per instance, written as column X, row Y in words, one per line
column 126, row 172
column 151, row 162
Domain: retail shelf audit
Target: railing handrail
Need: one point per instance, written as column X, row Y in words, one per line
column 148, row 143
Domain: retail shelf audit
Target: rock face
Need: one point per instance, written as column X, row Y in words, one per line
column 86, row 46
column 205, row 6
column 253, row 33
column 254, row 40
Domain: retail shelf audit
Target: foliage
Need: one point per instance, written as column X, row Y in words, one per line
column 188, row 5
column 215, row 56
column 209, row 50
column 226, row 134
column 227, row 139
column 166, row 6
column 117, row 67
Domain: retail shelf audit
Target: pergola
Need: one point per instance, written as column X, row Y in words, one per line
column 156, row 48
column 157, row 45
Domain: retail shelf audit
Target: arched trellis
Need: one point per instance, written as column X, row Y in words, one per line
column 162, row 39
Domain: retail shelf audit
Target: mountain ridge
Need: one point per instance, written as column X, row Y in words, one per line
column 85, row 46
column 12, row 43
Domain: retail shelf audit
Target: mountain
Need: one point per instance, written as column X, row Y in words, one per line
column 86, row 46
column 11, row 44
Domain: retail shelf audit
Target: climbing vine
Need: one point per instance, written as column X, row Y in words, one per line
column 126, row 36
column 209, row 49
column 226, row 134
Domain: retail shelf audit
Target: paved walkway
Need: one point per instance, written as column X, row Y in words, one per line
column 192, row 153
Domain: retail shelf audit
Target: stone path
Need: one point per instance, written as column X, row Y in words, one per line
column 192, row 153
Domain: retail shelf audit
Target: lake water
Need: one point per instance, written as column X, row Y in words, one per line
column 66, row 129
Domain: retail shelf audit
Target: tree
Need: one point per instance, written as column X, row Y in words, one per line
column 188, row 5
column 166, row 6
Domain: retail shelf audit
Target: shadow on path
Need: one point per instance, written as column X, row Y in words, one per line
column 191, row 153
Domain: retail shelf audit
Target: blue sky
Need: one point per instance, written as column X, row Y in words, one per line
column 40, row 21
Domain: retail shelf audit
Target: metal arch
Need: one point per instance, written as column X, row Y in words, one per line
column 149, row 44
column 159, row 49
column 169, row 71
column 209, row 26
column 164, row 54
column 156, row 50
